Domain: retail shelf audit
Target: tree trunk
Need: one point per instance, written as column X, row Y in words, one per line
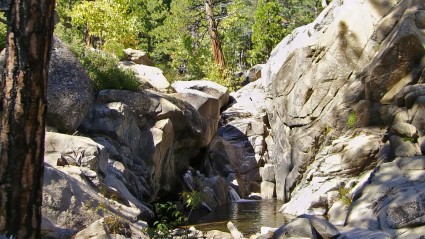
column 24, row 107
column 215, row 41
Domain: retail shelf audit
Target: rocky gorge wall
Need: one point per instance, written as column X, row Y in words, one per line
column 114, row 152
column 333, row 126
column 344, row 102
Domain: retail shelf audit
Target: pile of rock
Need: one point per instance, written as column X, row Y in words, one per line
column 136, row 146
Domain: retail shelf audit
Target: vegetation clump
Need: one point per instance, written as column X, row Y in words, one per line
column 167, row 217
column 116, row 225
column 352, row 119
column 101, row 66
column 344, row 196
column 105, row 73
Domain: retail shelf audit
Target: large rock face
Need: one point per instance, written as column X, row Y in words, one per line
column 345, row 94
column 335, row 127
column 346, row 66
column 393, row 200
column 69, row 92
column 83, row 182
column 159, row 133
column 239, row 149
column 207, row 98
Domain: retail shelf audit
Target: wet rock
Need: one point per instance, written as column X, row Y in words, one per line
column 234, row 231
column 220, row 188
column 267, row 190
column 268, row 173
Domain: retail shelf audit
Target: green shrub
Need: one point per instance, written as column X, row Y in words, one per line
column 3, row 32
column 104, row 72
column 116, row 225
column 102, row 67
column 225, row 78
column 167, row 217
column 410, row 139
column 115, row 48
column 193, row 199
column 352, row 119
column 344, row 195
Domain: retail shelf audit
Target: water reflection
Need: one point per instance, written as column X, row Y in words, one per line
column 248, row 216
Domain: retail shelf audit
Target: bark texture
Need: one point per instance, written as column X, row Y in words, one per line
column 212, row 31
column 24, row 107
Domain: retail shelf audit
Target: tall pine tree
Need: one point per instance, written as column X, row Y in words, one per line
column 268, row 29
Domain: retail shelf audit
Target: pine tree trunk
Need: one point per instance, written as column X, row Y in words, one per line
column 215, row 41
column 24, row 107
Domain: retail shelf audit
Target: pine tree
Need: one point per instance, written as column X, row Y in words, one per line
column 268, row 29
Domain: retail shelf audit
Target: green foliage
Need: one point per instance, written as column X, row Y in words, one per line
column 105, row 74
column 225, row 78
column 105, row 24
column 174, row 32
column 299, row 12
column 116, row 225
column 327, row 129
column 352, row 119
column 3, row 32
column 344, row 195
column 276, row 19
column 181, row 40
column 102, row 67
column 102, row 21
column 410, row 139
column 116, row 49
column 236, row 30
column 267, row 29
column 193, row 199
column 167, row 217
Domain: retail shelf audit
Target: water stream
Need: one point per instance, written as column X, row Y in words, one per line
column 248, row 216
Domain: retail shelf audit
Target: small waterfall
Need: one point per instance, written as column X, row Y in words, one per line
column 234, row 196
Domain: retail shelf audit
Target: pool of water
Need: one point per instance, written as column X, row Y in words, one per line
column 248, row 216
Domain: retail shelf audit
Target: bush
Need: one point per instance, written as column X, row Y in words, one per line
column 3, row 33
column 116, row 225
column 104, row 72
column 167, row 217
column 352, row 119
column 344, row 196
column 102, row 67
column 116, row 49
